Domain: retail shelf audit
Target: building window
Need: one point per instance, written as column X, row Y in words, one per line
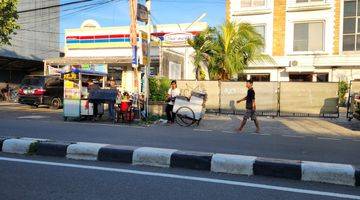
column 322, row 77
column 252, row 3
column 309, row 36
column 260, row 29
column 174, row 71
column 301, row 77
column 351, row 28
column 260, row 77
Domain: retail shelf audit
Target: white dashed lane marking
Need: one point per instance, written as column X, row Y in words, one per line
column 294, row 136
column 325, row 138
column 187, row 178
column 203, row 130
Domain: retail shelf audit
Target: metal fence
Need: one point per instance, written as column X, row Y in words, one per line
column 272, row 98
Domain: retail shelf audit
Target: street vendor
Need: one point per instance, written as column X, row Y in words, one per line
column 91, row 88
column 170, row 99
column 112, row 85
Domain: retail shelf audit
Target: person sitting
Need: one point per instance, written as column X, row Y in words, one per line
column 125, row 108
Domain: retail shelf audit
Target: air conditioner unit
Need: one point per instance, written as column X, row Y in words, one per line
column 293, row 63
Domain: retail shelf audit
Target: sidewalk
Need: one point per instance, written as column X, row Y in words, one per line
column 296, row 126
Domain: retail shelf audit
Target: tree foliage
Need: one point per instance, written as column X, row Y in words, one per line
column 8, row 18
column 228, row 50
column 158, row 88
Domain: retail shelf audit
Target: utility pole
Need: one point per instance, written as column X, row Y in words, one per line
column 148, row 64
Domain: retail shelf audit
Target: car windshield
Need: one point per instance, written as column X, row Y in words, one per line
column 33, row 81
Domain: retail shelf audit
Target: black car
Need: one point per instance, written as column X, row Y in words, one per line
column 42, row 90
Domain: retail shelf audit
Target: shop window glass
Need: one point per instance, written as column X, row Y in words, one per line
column 174, row 70
column 322, row 77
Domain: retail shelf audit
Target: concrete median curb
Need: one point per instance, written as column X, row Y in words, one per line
column 222, row 163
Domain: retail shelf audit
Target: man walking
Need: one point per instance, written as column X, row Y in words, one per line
column 250, row 107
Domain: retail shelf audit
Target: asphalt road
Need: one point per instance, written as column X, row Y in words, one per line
column 264, row 145
column 49, row 178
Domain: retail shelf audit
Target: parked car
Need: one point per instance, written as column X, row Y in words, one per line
column 42, row 90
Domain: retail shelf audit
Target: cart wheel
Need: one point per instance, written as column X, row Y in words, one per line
column 185, row 116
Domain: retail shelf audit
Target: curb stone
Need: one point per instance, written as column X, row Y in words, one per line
column 290, row 169
column 116, row 153
column 57, row 149
column 224, row 163
column 233, row 164
column 191, row 160
column 84, row 151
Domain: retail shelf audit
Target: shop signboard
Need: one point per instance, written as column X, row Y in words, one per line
column 134, row 59
column 143, row 54
column 142, row 13
column 71, row 86
column 177, row 38
column 96, row 68
column 53, row 70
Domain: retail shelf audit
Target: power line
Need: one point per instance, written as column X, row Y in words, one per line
column 72, row 13
column 54, row 6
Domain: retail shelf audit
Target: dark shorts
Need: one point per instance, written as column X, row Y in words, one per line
column 250, row 114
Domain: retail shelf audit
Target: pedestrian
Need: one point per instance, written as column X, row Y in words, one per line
column 91, row 88
column 250, row 107
column 111, row 103
column 170, row 98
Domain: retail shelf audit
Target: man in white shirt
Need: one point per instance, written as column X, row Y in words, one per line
column 170, row 98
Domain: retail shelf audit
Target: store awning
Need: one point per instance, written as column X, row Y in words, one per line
column 16, row 64
column 87, row 60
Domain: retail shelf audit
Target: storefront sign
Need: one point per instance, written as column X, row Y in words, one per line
column 142, row 13
column 178, row 37
column 53, row 70
column 71, row 76
column 134, row 60
column 71, row 90
column 143, row 54
column 99, row 68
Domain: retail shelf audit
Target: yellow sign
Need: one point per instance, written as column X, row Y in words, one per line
column 70, row 76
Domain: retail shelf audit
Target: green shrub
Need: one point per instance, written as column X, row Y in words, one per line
column 158, row 88
column 343, row 88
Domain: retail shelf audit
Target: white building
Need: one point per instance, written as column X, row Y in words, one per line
column 93, row 44
column 309, row 40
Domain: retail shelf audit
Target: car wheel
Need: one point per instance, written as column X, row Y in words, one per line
column 55, row 103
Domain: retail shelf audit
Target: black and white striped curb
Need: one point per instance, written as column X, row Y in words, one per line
column 223, row 163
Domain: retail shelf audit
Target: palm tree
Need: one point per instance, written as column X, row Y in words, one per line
column 228, row 50
column 202, row 46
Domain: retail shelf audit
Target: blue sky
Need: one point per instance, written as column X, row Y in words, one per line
column 163, row 11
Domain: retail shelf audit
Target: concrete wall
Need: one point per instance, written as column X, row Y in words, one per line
column 308, row 98
column 38, row 37
column 291, row 98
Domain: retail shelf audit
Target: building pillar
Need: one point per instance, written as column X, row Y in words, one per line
column 336, row 40
column 279, row 27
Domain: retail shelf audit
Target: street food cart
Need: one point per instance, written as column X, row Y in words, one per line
column 189, row 111
column 76, row 96
column 353, row 107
